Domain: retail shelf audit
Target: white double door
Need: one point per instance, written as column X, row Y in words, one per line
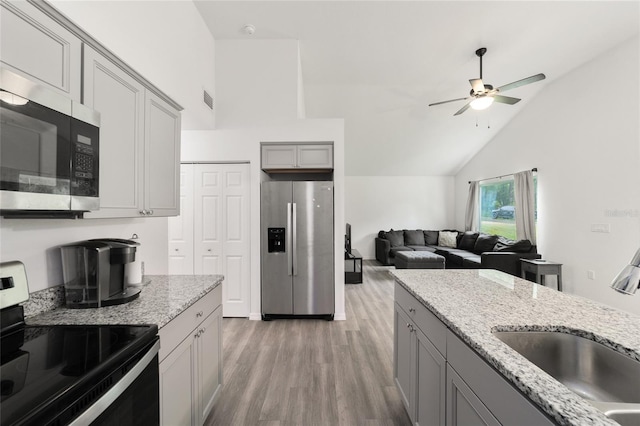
column 211, row 235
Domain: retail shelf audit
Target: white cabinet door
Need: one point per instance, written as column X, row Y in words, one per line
column 236, row 240
column 209, row 362
column 222, row 230
column 178, row 385
column 315, row 156
column 162, row 157
column 40, row 49
column 120, row 101
column 181, row 227
column 207, row 219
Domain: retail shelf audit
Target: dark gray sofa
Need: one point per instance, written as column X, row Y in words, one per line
column 472, row 250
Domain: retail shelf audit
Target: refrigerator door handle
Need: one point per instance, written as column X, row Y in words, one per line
column 294, row 246
column 289, row 248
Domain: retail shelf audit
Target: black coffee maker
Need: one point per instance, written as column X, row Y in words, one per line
column 93, row 272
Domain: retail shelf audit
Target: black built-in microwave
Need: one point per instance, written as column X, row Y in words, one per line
column 49, row 152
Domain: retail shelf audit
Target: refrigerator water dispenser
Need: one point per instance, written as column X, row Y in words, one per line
column 275, row 240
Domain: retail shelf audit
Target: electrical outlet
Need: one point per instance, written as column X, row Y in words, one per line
column 601, row 227
column 591, row 275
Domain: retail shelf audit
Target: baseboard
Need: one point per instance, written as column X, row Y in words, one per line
column 255, row 317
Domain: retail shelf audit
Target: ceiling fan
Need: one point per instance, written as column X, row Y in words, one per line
column 483, row 95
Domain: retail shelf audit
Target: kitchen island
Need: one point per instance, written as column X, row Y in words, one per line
column 469, row 305
column 188, row 312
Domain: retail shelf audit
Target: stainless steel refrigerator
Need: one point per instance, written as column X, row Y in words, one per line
column 297, row 260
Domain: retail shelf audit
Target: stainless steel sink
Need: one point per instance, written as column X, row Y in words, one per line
column 607, row 379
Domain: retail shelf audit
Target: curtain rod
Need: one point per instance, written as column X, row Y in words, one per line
column 535, row 169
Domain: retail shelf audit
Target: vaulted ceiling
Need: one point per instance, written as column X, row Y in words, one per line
column 378, row 64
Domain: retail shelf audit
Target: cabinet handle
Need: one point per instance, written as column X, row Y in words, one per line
column 150, row 212
column 209, row 250
column 177, row 250
column 198, row 314
column 412, row 310
column 204, row 329
column 143, row 212
column 411, row 329
column 408, row 325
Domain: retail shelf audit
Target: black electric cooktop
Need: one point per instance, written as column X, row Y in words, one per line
column 45, row 369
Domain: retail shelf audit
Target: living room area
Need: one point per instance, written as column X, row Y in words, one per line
column 586, row 153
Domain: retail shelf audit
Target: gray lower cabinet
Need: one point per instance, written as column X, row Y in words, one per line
column 443, row 381
column 463, row 406
column 419, row 367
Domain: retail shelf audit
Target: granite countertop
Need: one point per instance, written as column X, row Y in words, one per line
column 163, row 297
column 473, row 303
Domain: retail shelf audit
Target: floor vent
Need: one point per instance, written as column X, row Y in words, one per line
column 208, row 100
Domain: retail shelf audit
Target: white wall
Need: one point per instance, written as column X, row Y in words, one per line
column 375, row 203
column 256, row 82
column 244, row 145
column 582, row 133
column 34, row 242
column 167, row 42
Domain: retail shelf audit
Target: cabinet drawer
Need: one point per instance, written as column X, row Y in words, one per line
column 504, row 401
column 427, row 322
column 178, row 328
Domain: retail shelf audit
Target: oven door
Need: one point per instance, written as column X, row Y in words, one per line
column 133, row 400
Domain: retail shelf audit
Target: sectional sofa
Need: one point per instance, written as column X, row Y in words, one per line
column 472, row 250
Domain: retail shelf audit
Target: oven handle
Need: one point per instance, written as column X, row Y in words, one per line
column 98, row 407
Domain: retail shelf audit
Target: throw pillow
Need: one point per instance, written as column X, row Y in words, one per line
column 414, row 238
column 431, row 238
column 520, row 246
column 447, row 239
column 468, row 240
column 485, row 243
column 396, row 238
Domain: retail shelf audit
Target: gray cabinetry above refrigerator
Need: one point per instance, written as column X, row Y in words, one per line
column 297, row 157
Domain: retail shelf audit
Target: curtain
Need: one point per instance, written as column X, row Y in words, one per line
column 471, row 214
column 525, row 206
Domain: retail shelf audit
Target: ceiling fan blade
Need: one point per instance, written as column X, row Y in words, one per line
column 463, row 109
column 477, row 85
column 522, row 82
column 505, row 99
column 446, row 102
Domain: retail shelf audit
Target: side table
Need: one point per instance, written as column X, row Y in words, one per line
column 353, row 267
column 541, row 268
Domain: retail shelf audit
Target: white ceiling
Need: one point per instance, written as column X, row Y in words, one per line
column 379, row 63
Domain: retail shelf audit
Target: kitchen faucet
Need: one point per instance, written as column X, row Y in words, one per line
column 628, row 280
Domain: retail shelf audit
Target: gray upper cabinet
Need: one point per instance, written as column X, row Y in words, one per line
column 39, row 48
column 162, row 158
column 139, row 143
column 120, row 99
column 292, row 157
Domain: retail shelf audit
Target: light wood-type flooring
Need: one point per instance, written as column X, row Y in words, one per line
column 315, row 372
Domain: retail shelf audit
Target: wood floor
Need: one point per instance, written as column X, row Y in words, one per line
column 315, row 372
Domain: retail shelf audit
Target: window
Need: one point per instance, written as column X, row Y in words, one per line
column 497, row 207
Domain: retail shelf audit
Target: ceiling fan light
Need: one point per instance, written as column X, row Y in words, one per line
column 481, row 103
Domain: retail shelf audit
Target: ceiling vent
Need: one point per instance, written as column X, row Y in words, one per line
column 208, row 100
